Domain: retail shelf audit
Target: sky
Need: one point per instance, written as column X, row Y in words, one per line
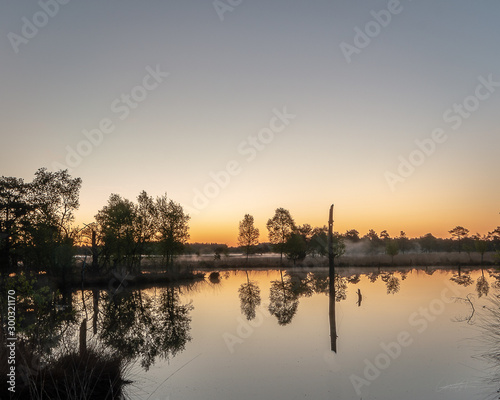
column 388, row 109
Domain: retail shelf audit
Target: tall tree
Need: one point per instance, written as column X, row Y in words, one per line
column 117, row 228
column 13, row 208
column 53, row 198
column 173, row 228
column 459, row 233
column 280, row 227
column 248, row 236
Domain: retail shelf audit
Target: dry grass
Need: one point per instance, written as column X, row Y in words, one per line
column 72, row 376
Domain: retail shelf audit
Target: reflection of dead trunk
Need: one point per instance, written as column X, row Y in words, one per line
column 95, row 297
column 360, row 298
column 331, row 312
column 331, row 256
column 83, row 337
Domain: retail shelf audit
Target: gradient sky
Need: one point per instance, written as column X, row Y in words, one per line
column 353, row 120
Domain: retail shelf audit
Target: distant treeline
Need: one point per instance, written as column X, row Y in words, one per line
column 37, row 232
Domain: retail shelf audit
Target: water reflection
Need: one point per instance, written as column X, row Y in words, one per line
column 482, row 285
column 249, row 293
column 332, row 299
column 391, row 282
column 283, row 300
column 137, row 324
column 148, row 326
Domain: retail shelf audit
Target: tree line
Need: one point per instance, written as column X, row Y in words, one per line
column 299, row 241
column 37, row 231
column 37, row 228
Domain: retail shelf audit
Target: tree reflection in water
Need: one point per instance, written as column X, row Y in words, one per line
column 283, row 300
column 249, row 293
column 136, row 324
column 462, row 279
column 392, row 282
column 482, row 285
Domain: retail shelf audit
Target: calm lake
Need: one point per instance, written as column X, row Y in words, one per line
column 269, row 334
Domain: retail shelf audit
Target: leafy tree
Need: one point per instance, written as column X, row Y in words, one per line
column 428, row 243
column 48, row 240
column 391, row 248
column 173, row 228
column 459, row 233
column 295, row 247
column 117, row 228
column 373, row 240
column 319, row 242
column 55, row 196
column 481, row 244
column 403, row 242
column 145, row 221
column 280, row 227
column 249, row 235
column 384, row 235
column 13, row 208
column 338, row 245
column 352, row 235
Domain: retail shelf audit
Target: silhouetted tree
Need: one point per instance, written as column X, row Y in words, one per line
column 373, row 240
column 352, row 235
column 116, row 225
column 280, row 227
column 49, row 235
column 338, row 245
column 481, row 245
column 392, row 248
column 248, row 236
column 428, row 243
column 384, row 235
column 173, row 228
column 403, row 242
column 459, row 233
column 318, row 244
column 13, row 208
column 295, row 247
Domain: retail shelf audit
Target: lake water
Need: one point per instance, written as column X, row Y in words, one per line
column 374, row 334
